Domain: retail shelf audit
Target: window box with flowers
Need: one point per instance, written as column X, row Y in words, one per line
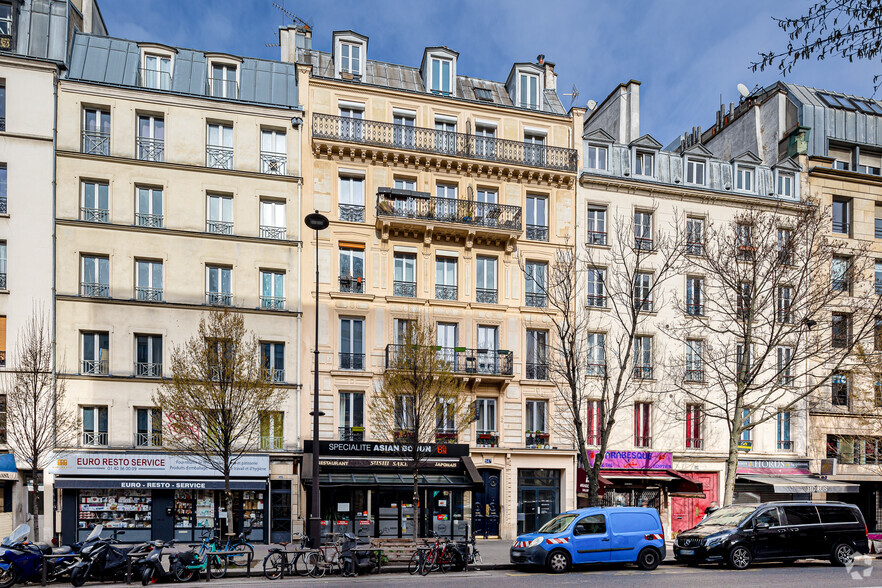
column 445, row 436
column 401, row 435
column 537, row 439
column 488, row 439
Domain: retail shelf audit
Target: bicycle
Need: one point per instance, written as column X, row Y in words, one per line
column 418, row 559
column 240, row 544
column 439, row 557
column 327, row 558
column 193, row 562
column 276, row 562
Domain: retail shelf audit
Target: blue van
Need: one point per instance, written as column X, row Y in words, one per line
column 594, row 535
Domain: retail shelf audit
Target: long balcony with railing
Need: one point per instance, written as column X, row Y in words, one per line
column 466, row 361
column 424, row 140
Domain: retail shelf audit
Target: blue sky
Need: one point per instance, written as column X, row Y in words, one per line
column 686, row 53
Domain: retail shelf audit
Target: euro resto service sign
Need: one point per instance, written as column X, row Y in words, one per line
column 635, row 460
column 148, row 464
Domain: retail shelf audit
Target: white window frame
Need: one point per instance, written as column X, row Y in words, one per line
column 592, row 159
column 483, row 423
column 225, row 80
column 595, row 355
column 745, row 178
column 438, row 61
column 781, row 180
column 349, row 62
column 531, row 415
column 690, row 167
column 640, row 157
column 532, row 82
column 164, row 83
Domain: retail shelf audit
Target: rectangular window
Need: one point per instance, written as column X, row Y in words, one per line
column 2, row 100
column 94, row 421
column 150, row 141
column 535, row 284
column 405, row 275
column 219, row 146
column 537, row 365
column 3, row 284
column 744, row 241
column 445, row 420
column 785, row 246
column 596, row 228
column 485, row 427
column 643, row 357
column 272, row 359
column 157, row 73
column 404, row 417
column 485, row 141
column 694, row 296
column 445, row 135
column 148, row 280
column 351, row 416
column 6, row 21
column 744, row 301
column 694, row 413
column 148, row 427
column 446, row 205
column 148, row 356
column 643, row 292
column 535, row 423
column 403, row 133
column 95, row 276
column 219, row 214
column 877, row 389
column 786, row 183
column 642, row 424
column 440, row 78
column 273, row 222
column 352, row 344
column 529, row 97
column 596, row 278
column 840, row 384
column 96, row 131
column 352, row 268
column 350, row 58
column 488, row 343
column 841, row 326
column 644, row 164
column 597, row 157
column 842, row 216
column 596, row 354
column 537, row 219
column 486, row 286
column 869, row 163
column 746, row 433
column 877, row 333
column 745, row 179
column 695, row 171
column 3, row 189
column 694, row 361
column 877, row 277
column 643, row 231
column 95, row 206
column 223, row 81
column 534, row 149
column 785, row 305
column 218, row 285
column 783, row 426
column 273, row 152
column 840, row 270
column 272, row 290
column 594, row 422
column 272, row 431
column 148, row 207
column 96, row 353
column 446, row 339
column 785, row 366
column 445, row 278
column 352, row 123
column 694, row 236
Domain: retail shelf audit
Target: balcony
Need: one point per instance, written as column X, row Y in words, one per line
column 642, row 372
column 91, row 438
column 148, row 294
column 596, row 237
column 273, row 163
column 143, row 439
column 268, row 232
column 268, row 443
column 352, row 361
column 693, row 443
column 150, row 149
column 404, row 289
column 537, row 233
column 152, row 221
column 412, row 209
column 219, row 298
column 350, row 433
column 96, row 143
column 219, row 157
column 487, row 439
column 537, row 371
column 536, row 299
column 95, row 215
column 694, row 375
column 148, row 370
column 693, row 309
column 537, row 439
column 94, row 290
column 473, row 362
column 272, row 303
column 485, row 296
column 351, row 213
column 423, row 140
column 445, row 292
column 219, row 227
column 352, row 284
column 597, row 300
column 642, row 244
column 785, row 445
column 595, row 369
column 274, row 375
column 97, row 367
column 443, row 435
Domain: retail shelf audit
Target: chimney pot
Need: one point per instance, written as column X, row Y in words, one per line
column 540, row 58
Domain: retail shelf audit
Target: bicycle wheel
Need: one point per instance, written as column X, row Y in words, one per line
column 300, row 567
column 445, row 562
column 429, row 563
column 316, row 565
column 241, row 560
column 183, row 574
column 218, row 566
column 273, row 565
column 413, row 566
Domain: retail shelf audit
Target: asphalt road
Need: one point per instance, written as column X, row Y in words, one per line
column 866, row 572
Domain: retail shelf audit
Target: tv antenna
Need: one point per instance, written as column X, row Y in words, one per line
column 573, row 95
column 286, row 16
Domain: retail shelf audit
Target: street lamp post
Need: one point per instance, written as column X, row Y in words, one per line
column 317, row 222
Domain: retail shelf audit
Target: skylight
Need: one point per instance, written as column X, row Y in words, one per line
column 483, row 94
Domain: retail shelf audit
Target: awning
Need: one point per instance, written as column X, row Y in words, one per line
column 158, row 484
column 677, row 483
column 8, row 470
column 802, row 484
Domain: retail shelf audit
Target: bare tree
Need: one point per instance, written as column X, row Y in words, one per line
column 419, row 399
column 37, row 418
column 593, row 356
column 777, row 311
column 217, row 397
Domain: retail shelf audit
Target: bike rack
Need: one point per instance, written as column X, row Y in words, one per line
column 131, row 556
column 44, row 580
column 227, row 554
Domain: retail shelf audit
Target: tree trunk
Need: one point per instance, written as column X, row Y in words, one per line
column 416, row 502
column 731, row 469
column 228, row 500
column 35, row 493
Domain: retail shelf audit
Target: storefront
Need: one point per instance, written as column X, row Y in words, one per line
column 8, row 479
column 158, row 496
column 367, row 489
column 765, row 480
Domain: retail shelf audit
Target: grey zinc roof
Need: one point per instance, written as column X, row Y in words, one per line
column 42, row 29
column 106, row 60
column 404, row 77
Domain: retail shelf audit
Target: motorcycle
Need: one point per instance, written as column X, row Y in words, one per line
column 152, row 570
column 355, row 557
column 22, row 560
column 103, row 560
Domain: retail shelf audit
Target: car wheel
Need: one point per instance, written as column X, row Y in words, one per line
column 739, row 557
column 558, row 561
column 843, row 555
column 648, row 559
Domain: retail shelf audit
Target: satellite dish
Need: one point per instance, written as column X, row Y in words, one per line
column 592, row 105
column 742, row 89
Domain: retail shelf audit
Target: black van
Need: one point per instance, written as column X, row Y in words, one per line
column 741, row 533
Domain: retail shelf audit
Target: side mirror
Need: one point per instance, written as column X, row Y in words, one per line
column 759, row 526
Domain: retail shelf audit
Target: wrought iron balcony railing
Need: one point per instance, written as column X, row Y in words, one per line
column 444, row 292
column 3, row 205
column 785, row 445
column 2, row 123
column 273, row 163
column 268, row 232
column 485, row 295
column 222, row 88
column 268, row 443
column 693, row 309
column 487, row 439
column 597, row 300
column 96, row 143
column 94, row 367
column 219, row 227
column 91, row 438
column 404, row 289
column 694, row 248
column 397, row 203
column 536, row 299
column 350, row 433
column 274, row 375
column 597, row 237
column 463, row 360
column 537, row 439
column 145, row 294
column 148, row 370
column 150, row 149
column 219, row 298
column 95, row 215
column 153, row 221
column 537, row 371
column 694, row 375
column 352, row 284
column 272, row 303
column 3, row 281
column 595, row 369
column 219, row 157
column 148, row 439
column 352, row 361
column 537, row 232
column 643, row 304
column 352, row 213
column 94, row 290
column 643, row 372
column 443, row 435
column 642, row 244
column 383, row 134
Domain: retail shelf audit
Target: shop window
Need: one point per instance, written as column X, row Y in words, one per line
column 252, row 509
column 94, row 425
column 116, row 509
column 272, row 431
column 193, row 510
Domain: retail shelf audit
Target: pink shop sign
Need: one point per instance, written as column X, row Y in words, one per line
column 635, row 460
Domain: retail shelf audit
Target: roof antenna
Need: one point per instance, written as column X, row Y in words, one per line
column 286, row 15
column 573, row 95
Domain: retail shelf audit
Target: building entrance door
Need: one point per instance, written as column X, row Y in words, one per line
column 538, row 498
column 688, row 512
column 487, row 505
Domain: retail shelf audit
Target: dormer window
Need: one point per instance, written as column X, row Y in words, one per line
column 785, row 185
column 440, row 77
column 6, row 23
column 349, row 54
column 157, row 72
column 350, row 58
column 695, row 171
column 644, row 163
column 597, row 157
column 744, row 178
column 528, row 91
column 223, row 81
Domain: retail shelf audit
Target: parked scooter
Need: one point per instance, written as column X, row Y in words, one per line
column 22, row 560
column 355, row 558
column 104, row 560
column 152, row 570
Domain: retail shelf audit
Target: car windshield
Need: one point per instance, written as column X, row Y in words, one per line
column 19, row 534
column 558, row 523
column 729, row 516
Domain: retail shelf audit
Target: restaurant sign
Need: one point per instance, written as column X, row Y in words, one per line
column 371, row 448
column 98, row 463
column 635, row 460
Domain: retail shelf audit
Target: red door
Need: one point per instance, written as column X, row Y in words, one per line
column 688, row 512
